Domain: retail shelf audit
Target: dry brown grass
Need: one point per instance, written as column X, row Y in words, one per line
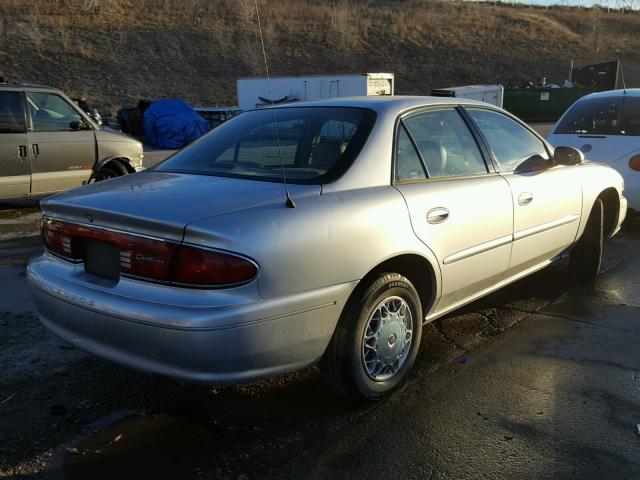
column 122, row 49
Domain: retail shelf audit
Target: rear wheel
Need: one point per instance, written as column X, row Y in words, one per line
column 376, row 341
column 586, row 257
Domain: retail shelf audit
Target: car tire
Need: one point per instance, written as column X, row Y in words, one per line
column 586, row 257
column 366, row 358
column 111, row 170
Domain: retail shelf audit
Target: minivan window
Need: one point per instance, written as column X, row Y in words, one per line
column 316, row 144
column 613, row 115
column 51, row 113
column 11, row 115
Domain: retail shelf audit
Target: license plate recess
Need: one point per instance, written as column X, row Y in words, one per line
column 102, row 259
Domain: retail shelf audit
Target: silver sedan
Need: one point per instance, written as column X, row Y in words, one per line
column 210, row 268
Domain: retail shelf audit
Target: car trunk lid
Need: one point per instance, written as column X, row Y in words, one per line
column 161, row 205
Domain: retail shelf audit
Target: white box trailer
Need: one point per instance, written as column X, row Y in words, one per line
column 493, row 94
column 253, row 92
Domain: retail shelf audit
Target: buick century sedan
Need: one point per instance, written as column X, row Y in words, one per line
column 321, row 232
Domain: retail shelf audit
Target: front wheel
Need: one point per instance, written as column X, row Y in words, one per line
column 586, row 257
column 111, row 170
column 376, row 341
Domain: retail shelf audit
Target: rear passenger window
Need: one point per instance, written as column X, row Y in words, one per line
column 11, row 115
column 408, row 163
column 445, row 143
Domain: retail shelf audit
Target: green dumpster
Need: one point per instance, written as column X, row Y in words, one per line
column 541, row 104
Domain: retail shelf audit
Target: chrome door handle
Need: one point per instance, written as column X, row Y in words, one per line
column 22, row 152
column 437, row 215
column 35, row 149
column 525, row 198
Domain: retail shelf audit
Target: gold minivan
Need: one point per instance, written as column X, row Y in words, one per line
column 48, row 144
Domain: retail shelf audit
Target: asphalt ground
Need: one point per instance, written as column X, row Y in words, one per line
column 539, row 380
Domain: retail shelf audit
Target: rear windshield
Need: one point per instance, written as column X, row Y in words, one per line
column 317, row 145
column 618, row 115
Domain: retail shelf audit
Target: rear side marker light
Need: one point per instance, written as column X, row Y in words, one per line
column 634, row 163
column 151, row 259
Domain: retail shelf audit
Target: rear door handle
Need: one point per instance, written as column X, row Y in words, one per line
column 525, row 198
column 437, row 215
column 22, row 151
column 35, row 149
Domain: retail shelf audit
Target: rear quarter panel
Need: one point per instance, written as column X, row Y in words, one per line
column 326, row 240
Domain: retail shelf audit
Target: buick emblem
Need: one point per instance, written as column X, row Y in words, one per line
column 90, row 218
column 586, row 148
column 392, row 339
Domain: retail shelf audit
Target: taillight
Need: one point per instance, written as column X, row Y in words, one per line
column 59, row 238
column 634, row 163
column 195, row 266
column 150, row 258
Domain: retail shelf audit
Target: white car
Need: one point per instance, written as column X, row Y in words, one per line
column 605, row 126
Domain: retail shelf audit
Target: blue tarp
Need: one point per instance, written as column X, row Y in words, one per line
column 172, row 123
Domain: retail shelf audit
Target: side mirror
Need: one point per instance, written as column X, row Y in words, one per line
column 568, row 156
column 95, row 115
column 534, row 163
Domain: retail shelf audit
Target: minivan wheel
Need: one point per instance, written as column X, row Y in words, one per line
column 586, row 257
column 112, row 170
column 376, row 341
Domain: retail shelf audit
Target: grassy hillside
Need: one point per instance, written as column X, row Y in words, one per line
column 115, row 51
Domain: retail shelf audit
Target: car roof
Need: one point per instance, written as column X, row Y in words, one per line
column 387, row 103
column 631, row 92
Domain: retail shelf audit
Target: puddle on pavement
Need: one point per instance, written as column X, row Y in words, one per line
column 144, row 447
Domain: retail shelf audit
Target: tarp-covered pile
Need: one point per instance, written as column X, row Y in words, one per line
column 172, row 123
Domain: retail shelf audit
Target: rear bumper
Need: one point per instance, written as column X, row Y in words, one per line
column 209, row 340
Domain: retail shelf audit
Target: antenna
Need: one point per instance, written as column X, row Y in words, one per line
column 624, row 85
column 289, row 203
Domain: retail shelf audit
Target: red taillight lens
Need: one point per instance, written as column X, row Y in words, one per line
column 195, row 266
column 150, row 258
column 634, row 163
column 59, row 238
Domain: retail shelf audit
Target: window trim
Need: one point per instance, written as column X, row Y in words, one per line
column 71, row 103
column 21, row 101
column 494, row 160
column 402, row 126
column 488, row 161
